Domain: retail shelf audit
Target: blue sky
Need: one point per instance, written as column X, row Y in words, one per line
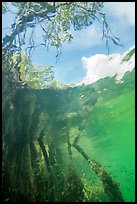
column 86, row 43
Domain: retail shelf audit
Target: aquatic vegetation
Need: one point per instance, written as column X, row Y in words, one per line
column 65, row 142
column 44, row 142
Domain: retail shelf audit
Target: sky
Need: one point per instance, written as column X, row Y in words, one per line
column 87, row 44
column 100, row 66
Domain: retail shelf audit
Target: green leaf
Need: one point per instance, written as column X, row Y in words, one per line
column 128, row 55
column 51, row 8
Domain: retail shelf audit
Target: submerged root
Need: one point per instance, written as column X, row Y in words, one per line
column 111, row 188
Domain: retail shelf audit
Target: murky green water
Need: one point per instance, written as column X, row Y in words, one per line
column 110, row 135
column 110, row 138
column 41, row 129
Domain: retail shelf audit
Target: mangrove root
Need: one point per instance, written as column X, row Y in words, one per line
column 111, row 188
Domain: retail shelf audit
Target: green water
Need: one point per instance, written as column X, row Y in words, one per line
column 109, row 138
column 40, row 128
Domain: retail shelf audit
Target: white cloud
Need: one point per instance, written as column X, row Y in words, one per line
column 101, row 66
column 124, row 12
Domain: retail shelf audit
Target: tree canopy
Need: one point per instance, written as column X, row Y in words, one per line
column 57, row 21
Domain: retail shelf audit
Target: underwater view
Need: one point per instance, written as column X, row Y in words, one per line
column 71, row 145
column 66, row 142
